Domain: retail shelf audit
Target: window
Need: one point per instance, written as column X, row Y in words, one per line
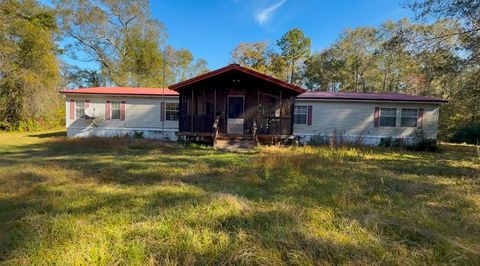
column 388, row 117
column 171, row 111
column 409, row 117
column 115, row 110
column 79, row 109
column 300, row 115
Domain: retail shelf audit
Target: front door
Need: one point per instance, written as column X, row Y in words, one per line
column 235, row 115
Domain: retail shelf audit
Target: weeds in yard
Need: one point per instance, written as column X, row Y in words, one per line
column 134, row 201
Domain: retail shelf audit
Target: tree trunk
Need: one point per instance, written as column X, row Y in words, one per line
column 384, row 80
column 293, row 70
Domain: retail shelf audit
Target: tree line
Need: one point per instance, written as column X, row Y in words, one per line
column 121, row 39
column 440, row 59
column 129, row 47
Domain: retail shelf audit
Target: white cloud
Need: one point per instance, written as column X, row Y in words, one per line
column 265, row 14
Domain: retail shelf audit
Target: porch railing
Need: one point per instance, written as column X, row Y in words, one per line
column 271, row 125
column 264, row 125
column 200, row 123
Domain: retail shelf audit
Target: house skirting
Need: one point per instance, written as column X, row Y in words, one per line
column 365, row 139
column 173, row 135
column 155, row 134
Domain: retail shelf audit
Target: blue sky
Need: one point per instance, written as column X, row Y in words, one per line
column 211, row 29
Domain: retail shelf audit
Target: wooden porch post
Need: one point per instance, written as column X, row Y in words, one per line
column 258, row 105
column 226, row 111
column 270, row 109
column 191, row 115
column 281, row 103
column 204, row 104
column 281, row 120
column 180, row 112
column 215, row 103
column 292, row 112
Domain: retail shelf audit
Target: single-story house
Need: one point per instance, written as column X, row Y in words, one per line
column 238, row 102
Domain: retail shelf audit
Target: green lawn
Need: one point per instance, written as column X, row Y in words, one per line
column 117, row 201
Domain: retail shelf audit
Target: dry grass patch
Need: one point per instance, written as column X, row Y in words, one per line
column 123, row 201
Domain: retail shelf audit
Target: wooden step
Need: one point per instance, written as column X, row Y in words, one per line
column 233, row 143
column 234, row 137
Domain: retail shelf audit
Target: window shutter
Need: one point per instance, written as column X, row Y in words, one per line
column 72, row 109
column 420, row 118
column 376, row 117
column 162, row 111
column 309, row 115
column 107, row 110
column 122, row 110
column 86, row 104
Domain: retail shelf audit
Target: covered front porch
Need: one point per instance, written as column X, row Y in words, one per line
column 236, row 101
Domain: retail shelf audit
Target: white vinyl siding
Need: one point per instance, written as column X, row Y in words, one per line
column 140, row 113
column 349, row 118
column 357, row 118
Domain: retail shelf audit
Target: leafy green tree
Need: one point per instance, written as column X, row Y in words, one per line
column 121, row 36
column 253, row 55
column 394, row 61
column 76, row 77
column 261, row 57
column 387, row 59
column 295, row 48
column 463, row 92
column 142, row 65
column 124, row 39
column 277, row 66
column 357, row 48
column 29, row 72
column 183, row 65
column 466, row 12
column 323, row 71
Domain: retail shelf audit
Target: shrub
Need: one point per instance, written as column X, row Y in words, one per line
column 393, row 142
column 426, row 145
column 318, row 139
column 422, row 143
column 419, row 142
column 399, row 143
column 138, row 135
column 468, row 133
column 385, row 142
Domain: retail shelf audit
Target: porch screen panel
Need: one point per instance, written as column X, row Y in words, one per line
column 235, row 107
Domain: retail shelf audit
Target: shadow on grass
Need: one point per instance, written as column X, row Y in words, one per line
column 49, row 135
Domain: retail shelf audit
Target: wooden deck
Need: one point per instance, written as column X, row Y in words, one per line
column 263, row 139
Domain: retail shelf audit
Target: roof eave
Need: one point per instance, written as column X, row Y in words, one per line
column 372, row 100
column 118, row 94
column 241, row 69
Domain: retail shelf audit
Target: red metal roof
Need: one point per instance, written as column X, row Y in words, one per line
column 123, row 91
column 241, row 69
column 368, row 96
column 305, row 95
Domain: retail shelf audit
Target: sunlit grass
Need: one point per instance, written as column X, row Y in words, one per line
column 118, row 201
